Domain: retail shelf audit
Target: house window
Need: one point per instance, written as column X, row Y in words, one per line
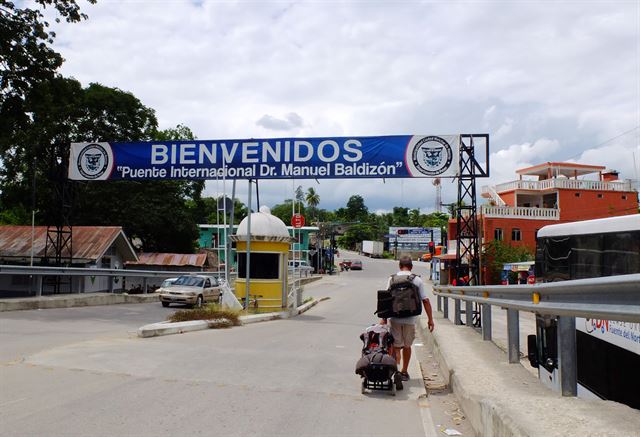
column 600, row 196
column 577, row 194
column 497, row 234
column 624, row 197
column 516, row 235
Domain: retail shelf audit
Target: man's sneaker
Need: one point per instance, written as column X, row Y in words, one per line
column 405, row 376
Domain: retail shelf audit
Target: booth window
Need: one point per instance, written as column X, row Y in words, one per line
column 516, row 235
column 262, row 265
column 497, row 234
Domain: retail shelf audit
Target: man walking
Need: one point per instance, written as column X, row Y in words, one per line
column 403, row 329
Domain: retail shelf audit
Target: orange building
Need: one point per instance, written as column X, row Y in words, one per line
column 550, row 193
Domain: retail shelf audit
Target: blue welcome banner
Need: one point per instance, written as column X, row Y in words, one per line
column 398, row 156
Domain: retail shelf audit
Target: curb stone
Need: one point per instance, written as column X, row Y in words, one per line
column 168, row 328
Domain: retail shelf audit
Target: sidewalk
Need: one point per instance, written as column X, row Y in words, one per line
column 502, row 399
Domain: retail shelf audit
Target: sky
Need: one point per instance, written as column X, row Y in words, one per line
column 547, row 80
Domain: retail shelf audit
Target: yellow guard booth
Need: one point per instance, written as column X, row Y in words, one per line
column 268, row 261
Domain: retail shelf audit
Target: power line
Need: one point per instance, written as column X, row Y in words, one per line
column 603, row 143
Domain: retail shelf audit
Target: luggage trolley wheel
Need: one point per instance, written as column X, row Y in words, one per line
column 363, row 388
column 397, row 380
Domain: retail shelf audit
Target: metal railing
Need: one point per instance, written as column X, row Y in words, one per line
column 521, row 212
column 609, row 298
column 491, row 192
column 40, row 272
column 558, row 183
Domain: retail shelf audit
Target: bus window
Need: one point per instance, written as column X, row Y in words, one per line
column 621, row 253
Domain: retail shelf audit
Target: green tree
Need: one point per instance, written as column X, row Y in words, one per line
column 436, row 220
column 313, row 199
column 354, row 235
column 210, row 214
column 400, row 216
column 415, row 218
column 497, row 253
column 62, row 111
column 284, row 211
column 26, row 56
column 356, row 210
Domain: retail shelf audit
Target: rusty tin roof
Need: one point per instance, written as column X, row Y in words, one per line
column 89, row 242
column 171, row 259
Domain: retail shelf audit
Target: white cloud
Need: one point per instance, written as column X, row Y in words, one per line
column 290, row 121
column 545, row 83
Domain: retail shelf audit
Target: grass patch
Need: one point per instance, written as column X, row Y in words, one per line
column 308, row 299
column 208, row 312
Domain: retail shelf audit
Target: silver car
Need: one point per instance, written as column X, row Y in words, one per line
column 192, row 290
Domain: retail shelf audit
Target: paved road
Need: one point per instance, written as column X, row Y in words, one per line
column 82, row 371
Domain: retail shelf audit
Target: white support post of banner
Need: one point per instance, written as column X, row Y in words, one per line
column 224, row 220
column 248, row 258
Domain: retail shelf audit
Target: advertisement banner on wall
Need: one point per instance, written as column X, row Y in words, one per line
column 398, row 156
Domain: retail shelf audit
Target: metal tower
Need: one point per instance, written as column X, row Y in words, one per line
column 468, row 251
column 59, row 247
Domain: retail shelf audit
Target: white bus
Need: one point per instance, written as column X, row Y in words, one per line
column 608, row 352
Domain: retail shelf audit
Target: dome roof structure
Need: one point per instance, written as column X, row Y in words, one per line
column 264, row 225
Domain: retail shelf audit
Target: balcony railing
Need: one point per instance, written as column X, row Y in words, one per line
column 549, row 184
column 521, row 212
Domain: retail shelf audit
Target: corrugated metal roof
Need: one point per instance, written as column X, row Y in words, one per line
column 88, row 243
column 171, row 259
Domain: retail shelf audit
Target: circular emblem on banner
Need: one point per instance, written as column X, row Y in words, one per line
column 93, row 161
column 431, row 156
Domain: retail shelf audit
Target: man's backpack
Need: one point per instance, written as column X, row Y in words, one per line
column 401, row 299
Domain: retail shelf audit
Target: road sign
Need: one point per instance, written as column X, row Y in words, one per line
column 297, row 220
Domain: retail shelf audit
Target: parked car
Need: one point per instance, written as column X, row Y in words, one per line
column 165, row 284
column 356, row 264
column 192, row 290
column 301, row 266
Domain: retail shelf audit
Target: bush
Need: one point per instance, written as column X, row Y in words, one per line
column 207, row 312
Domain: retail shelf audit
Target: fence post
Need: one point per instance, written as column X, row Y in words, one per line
column 513, row 335
column 445, row 307
column 468, row 312
column 486, row 322
column 145, row 285
column 457, row 313
column 439, row 303
column 567, row 365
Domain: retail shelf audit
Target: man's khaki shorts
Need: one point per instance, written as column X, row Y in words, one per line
column 403, row 334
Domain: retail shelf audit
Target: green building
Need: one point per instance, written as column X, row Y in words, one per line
column 212, row 237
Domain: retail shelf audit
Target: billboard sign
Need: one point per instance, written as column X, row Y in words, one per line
column 398, row 156
column 413, row 238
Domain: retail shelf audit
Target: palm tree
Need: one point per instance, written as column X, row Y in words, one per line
column 313, row 200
